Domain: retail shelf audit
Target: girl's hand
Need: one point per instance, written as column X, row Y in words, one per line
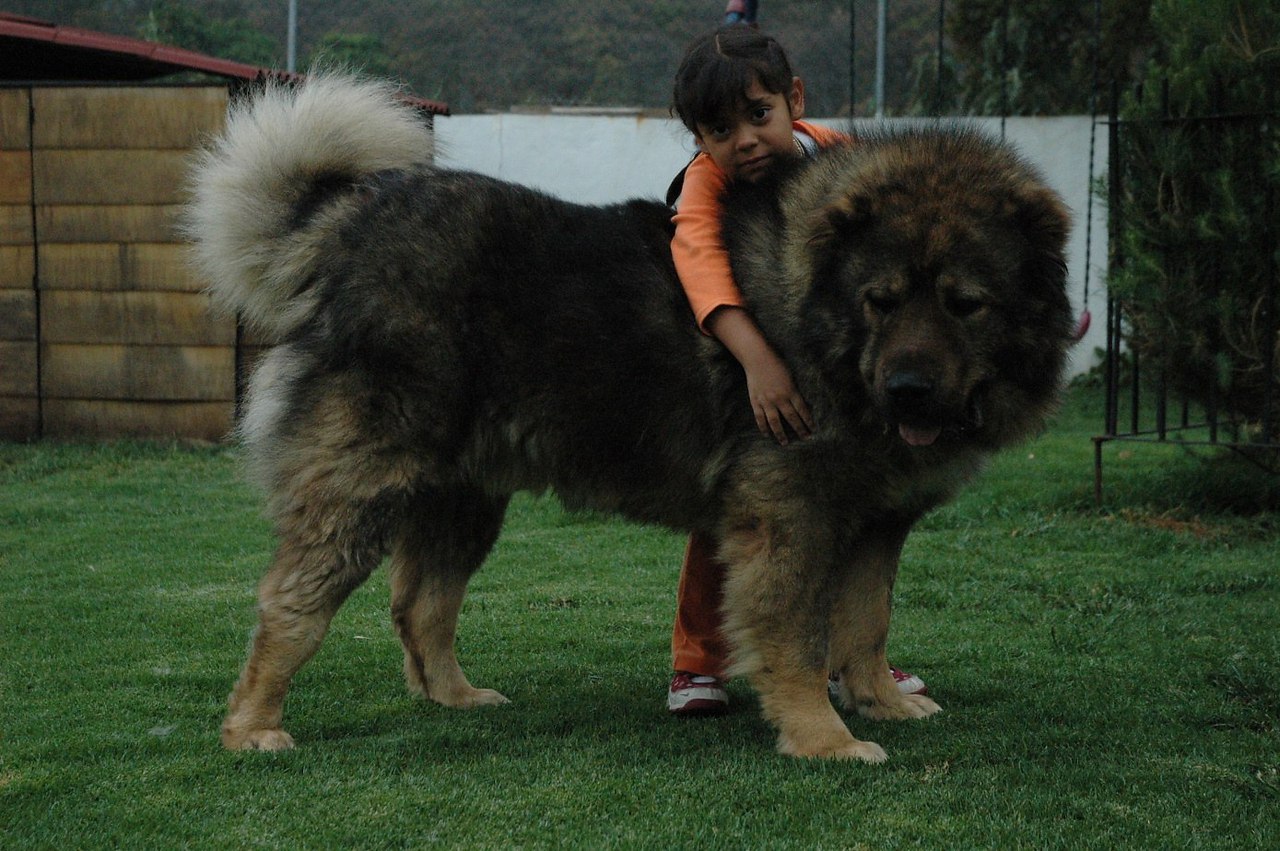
column 775, row 400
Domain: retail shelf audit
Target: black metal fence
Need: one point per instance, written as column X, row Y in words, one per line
column 1155, row 393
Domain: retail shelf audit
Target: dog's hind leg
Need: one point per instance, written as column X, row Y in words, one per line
column 860, row 630
column 443, row 541
column 298, row 597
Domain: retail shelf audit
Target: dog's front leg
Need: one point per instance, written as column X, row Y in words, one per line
column 860, row 628
column 777, row 610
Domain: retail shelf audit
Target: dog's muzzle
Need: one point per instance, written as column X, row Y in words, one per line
column 918, row 408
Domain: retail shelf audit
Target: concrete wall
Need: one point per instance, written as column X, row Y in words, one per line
column 602, row 158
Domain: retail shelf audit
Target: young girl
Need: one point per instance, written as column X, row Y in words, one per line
column 736, row 93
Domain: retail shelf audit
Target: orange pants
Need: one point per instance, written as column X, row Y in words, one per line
column 696, row 643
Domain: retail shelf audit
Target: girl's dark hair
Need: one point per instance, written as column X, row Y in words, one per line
column 719, row 67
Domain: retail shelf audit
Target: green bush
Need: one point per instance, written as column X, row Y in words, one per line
column 1199, row 167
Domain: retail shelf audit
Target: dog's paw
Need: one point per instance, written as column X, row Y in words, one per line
column 865, row 751
column 857, row 749
column 905, row 707
column 844, row 747
column 470, row 698
column 256, row 740
column 484, row 697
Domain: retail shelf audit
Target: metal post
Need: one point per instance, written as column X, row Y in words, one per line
column 1270, row 429
column 1004, row 68
column 880, row 32
column 937, row 83
column 1115, row 261
column 853, row 54
column 1097, row 470
column 291, row 54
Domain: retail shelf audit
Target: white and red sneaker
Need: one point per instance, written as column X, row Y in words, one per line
column 696, row 694
column 907, row 683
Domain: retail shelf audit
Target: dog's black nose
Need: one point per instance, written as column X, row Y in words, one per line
column 909, row 387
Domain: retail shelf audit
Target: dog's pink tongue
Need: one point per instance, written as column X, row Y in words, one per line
column 918, row 436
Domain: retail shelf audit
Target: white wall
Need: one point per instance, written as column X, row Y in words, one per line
column 599, row 159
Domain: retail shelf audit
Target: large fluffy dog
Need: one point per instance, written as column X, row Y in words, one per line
column 446, row 340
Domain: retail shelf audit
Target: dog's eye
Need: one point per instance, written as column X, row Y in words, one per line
column 962, row 306
column 881, row 302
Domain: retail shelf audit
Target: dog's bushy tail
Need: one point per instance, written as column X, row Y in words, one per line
column 254, row 219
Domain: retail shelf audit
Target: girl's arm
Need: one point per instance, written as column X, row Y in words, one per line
column 774, row 398
column 697, row 248
column 702, row 264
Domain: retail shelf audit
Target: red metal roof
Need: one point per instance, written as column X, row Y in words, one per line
column 32, row 50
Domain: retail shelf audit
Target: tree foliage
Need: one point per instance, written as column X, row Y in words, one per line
column 360, row 52
column 1035, row 57
column 1198, row 211
column 185, row 25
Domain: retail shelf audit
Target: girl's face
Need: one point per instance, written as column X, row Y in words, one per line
column 746, row 146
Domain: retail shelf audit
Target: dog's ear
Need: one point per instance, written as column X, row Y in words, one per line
column 1039, row 214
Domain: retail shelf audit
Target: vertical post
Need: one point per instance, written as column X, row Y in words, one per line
column 1162, row 402
column 881, row 25
column 1194, row 128
column 1004, row 67
column 35, row 259
column 1093, row 145
column 1270, row 429
column 937, row 93
column 1097, row 470
column 291, row 51
column 1115, row 260
column 1135, row 388
column 853, row 55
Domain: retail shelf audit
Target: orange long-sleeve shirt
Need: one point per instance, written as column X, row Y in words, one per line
column 697, row 248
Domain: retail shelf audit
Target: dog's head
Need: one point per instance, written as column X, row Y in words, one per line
column 936, row 267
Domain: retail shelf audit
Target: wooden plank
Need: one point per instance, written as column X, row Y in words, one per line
column 111, row 177
column 15, row 225
column 81, row 267
column 17, row 266
column 152, row 319
column 18, row 371
column 108, row 223
column 116, row 266
column 80, row 419
column 15, row 119
column 17, row 314
column 122, row 117
column 152, row 373
column 19, row 418
column 15, row 177
column 164, row 266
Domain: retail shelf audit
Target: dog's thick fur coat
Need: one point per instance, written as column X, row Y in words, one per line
column 446, row 340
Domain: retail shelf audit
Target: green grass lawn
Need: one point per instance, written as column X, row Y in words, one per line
column 1109, row 677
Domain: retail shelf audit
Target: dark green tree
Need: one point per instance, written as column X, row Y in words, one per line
column 356, row 51
column 184, row 25
column 1032, row 57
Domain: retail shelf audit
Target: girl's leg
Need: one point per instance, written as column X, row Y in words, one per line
column 696, row 643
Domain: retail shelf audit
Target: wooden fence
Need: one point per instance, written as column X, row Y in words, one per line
column 104, row 331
